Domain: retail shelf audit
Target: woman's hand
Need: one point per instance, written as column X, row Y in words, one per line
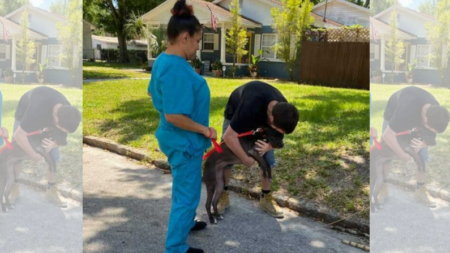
column 373, row 133
column 417, row 144
column 210, row 133
column 4, row 133
column 262, row 147
column 48, row 145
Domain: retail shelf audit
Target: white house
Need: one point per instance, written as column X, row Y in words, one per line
column 411, row 29
column 342, row 12
column 88, row 51
column 42, row 29
column 256, row 19
column 102, row 42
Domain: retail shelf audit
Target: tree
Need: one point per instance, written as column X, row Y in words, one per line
column 25, row 46
column 136, row 28
column 394, row 47
column 439, row 36
column 378, row 6
column 70, row 36
column 9, row 6
column 112, row 15
column 290, row 22
column 236, row 39
column 428, row 7
column 59, row 7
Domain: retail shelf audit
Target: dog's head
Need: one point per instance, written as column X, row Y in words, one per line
column 273, row 137
column 426, row 135
column 56, row 135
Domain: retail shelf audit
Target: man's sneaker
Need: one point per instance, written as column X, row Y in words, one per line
column 14, row 194
column 268, row 204
column 52, row 195
column 383, row 193
column 223, row 202
column 421, row 195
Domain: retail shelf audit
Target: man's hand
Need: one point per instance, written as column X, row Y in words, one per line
column 405, row 157
column 417, row 145
column 48, row 145
column 36, row 157
column 249, row 162
column 262, row 147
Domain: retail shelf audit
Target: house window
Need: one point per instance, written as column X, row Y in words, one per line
column 423, row 59
column 2, row 52
column 268, row 41
column 208, row 41
column 54, row 59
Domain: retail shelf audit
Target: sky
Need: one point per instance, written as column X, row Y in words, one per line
column 43, row 4
column 413, row 4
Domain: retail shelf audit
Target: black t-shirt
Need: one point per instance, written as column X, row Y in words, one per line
column 247, row 106
column 404, row 108
column 35, row 109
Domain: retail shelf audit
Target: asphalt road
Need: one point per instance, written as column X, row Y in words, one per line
column 126, row 207
column 38, row 226
column 405, row 225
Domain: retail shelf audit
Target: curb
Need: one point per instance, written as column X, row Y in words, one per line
column 66, row 192
column 301, row 206
column 114, row 79
column 434, row 191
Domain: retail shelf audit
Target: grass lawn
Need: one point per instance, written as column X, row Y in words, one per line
column 325, row 159
column 70, row 171
column 102, row 70
column 438, row 168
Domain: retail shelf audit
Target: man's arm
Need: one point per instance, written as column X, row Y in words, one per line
column 231, row 139
column 390, row 138
column 21, row 138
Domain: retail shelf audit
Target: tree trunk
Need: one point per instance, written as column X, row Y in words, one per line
column 123, row 55
column 367, row 4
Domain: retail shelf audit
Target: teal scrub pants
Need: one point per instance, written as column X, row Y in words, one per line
column 186, row 190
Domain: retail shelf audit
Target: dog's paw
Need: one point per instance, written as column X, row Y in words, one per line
column 219, row 217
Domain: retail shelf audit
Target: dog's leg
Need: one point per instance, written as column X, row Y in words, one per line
column 262, row 163
column 48, row 158
column 3, row 178
column 209, row 179
column 218, row 189
column 417, row 159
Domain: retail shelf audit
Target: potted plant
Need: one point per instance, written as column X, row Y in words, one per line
column 217, row 68
column 409, row 72
column 40, row 72
column 253, row 66
column 377, row 75
column 8, row 74
column 197, row 65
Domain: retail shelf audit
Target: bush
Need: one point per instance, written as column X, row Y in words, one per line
column 135, row 56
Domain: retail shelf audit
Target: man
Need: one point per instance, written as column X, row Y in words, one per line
column 41, row 108
column 408, row 108
column 251, row 106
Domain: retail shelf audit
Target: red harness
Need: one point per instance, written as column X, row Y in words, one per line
column 8, row 145
column 219, row 149
column 377, row 144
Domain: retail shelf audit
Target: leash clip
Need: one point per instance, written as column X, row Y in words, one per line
column 256, row 131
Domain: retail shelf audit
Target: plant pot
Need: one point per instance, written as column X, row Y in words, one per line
column 217, row 73
column 253, row 74
column 9, row 79
column 377, row 79
column 198, row 70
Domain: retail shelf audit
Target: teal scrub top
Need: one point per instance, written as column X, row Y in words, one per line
column 177, row 89
column 1, row 104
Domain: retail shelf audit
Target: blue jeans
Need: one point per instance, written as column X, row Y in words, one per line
column 269, row 156
column 423, row 153
column 54, row 153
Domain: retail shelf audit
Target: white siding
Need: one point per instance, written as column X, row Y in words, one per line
column 408, row 23
column 39, row 23
column 253, row 9
column 344, row 14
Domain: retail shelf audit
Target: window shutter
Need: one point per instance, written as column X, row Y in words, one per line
column 413, row 54
column 216, row 42
column 377, row 52
column 43, row 54
column 257, row 44
column 8, row 53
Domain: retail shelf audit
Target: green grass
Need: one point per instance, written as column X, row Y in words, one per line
column 102, row 70
column 321, row 160
column 437, row 170
column 70, row 169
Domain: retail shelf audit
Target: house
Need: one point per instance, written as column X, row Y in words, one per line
column 42, row 29
column 412, row 31
column 88, row 50
column 342, row 13
column 102, row 42
column 256, row 19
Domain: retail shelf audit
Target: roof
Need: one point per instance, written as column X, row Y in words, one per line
column 343, row 2
column 267, row 1
column 14, row 28
column 408, row 10
column 114, row 40
column 383, row 28
column 44, row 12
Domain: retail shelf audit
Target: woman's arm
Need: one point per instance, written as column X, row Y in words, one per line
column 188, row 124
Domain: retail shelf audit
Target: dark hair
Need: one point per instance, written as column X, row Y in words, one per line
column 69, row 118
column 182, row 20
column 437, row 118
column 285, row 116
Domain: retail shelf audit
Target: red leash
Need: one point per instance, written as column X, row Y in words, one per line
column 377, row 145
column 9, row 144
column 219, row 149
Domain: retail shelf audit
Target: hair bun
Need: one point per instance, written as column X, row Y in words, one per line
column 181, row 9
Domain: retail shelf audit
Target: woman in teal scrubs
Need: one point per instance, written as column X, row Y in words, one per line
column 182, row 98
column 3, row 130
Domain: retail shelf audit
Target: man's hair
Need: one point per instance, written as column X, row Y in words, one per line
column 285, row 116
column 69, row 118
column 437, row 118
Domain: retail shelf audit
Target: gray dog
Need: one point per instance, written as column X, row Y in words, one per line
column 215, row 164
column 379, row 157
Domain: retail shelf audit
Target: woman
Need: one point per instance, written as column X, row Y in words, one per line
column 182, row 98
column 3, row 130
